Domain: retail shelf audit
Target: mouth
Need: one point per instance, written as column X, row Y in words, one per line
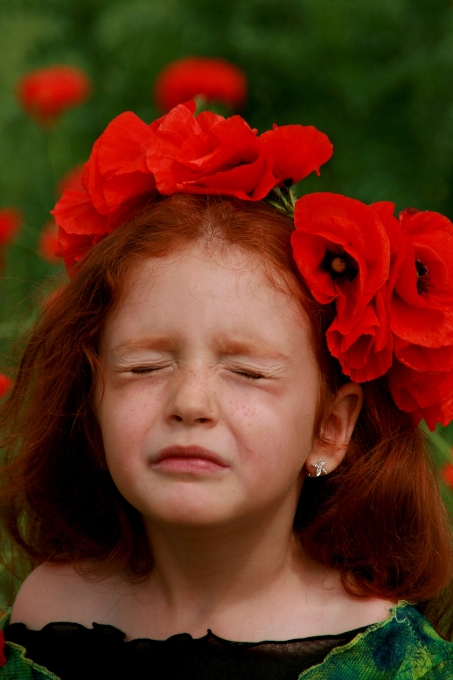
column 189, row 459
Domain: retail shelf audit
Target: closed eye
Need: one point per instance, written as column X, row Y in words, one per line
column 145, row 369
column 249, row 375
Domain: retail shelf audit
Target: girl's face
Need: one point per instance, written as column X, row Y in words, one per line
column 210, row 392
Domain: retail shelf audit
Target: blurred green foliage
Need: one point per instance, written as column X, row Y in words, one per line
column 377, row 77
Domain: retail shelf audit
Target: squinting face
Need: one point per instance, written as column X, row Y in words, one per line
column 210, row 391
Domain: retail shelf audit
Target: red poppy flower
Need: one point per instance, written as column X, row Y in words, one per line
column 73, row 247
column 447, row 474
column 426, row 281
column 386, row 212
column 117, row 172
column 11, row 221
column 213, row 79
column 343, row 252
column 365, row 353
column 5, row 384
column 297, row 151
column 46, row 93
column 424, row 290
column 72, row 179
column 48, row 243
column 113, row 182
column 423, row 394
column 178, row 153
column 209, row 155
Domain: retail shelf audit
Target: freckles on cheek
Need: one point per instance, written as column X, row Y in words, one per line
column 257, row 428
column 246, row 414
column 274, row 438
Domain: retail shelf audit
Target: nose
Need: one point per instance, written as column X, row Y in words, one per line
column 192, row 399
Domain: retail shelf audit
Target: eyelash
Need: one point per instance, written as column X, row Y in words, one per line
column 249, row 376
column 244, row 374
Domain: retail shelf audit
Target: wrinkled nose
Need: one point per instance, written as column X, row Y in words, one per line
column 192, row 399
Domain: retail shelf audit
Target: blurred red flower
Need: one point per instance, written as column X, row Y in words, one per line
column 213, row 79
column 5, row 384
column 48, row 243
column 47, row 92
column 11, row 220
column 447, row 474
column 71, row 179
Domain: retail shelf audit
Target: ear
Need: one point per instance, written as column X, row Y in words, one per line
column 330, row 448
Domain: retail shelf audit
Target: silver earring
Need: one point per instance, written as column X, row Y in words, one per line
column 320, row 469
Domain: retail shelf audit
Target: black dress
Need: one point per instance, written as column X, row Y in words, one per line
column 72, row 652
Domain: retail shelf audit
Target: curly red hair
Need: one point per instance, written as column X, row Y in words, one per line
column 378, row 518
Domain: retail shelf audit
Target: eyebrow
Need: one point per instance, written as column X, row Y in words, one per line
column 224, row 346
column 227, row 347
column 158, row 343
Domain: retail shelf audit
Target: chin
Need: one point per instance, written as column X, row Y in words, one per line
column 196, row 522
column 190, row 513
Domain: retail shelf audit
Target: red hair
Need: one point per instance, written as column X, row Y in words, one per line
column 378, row 518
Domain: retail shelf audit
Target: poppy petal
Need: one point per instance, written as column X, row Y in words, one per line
column 298, row 150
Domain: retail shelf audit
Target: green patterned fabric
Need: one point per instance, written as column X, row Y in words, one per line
column 17, row 666
column 404, row 647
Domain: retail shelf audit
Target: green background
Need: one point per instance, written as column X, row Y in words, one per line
column 376, row 76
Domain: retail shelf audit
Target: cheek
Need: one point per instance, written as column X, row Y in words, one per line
column 124, row 435
column 125, row 417
column 274, row 436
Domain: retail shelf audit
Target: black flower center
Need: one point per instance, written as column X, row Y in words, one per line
column 339, row 265
column 422, row 272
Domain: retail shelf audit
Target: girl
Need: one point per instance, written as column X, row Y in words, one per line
column 213, row 463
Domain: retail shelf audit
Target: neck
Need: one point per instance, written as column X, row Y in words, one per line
column 202, row 578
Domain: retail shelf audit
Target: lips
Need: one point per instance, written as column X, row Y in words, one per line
column 196, row 453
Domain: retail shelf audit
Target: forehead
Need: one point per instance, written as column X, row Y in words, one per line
column 206, row 289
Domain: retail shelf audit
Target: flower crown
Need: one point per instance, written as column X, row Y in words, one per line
column 389, row 279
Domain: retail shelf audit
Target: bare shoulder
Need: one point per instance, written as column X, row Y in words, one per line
column 58, row 592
